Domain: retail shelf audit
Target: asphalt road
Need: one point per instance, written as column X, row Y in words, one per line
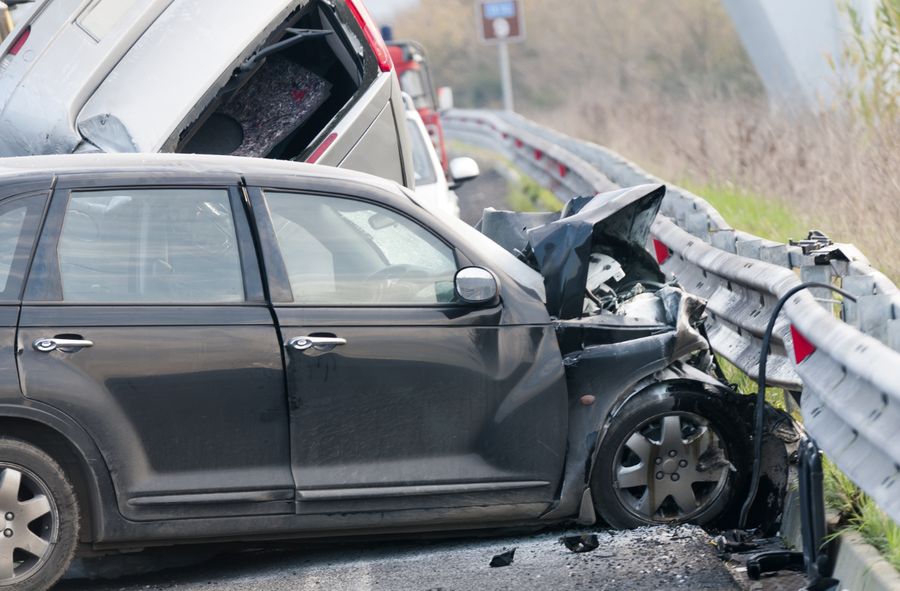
column 488, row 190
column 649, row 558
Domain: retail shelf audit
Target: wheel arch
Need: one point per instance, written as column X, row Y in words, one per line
column 76, row 453
column 675, row 378
column 663, row 388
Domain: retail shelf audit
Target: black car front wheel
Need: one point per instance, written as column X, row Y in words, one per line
column 38, row 518
column 671, row 457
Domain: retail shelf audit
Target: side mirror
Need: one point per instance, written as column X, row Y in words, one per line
column 463, row 170
column 445, row 98
column 475, row 285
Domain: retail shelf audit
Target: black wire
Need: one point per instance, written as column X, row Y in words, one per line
column 761, row 390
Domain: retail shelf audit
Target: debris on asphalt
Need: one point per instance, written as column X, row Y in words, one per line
column 504, row 559
column 735, row 540
column 582, row 543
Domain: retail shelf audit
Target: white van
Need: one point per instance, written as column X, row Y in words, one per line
column 288, row 79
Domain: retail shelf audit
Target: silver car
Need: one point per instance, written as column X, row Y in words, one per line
column 287, row 79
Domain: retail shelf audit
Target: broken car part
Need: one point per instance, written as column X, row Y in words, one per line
column 676, row 454
column 582, row 543
column 504, row 559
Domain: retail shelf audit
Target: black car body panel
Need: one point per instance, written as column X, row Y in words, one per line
column 195, row 421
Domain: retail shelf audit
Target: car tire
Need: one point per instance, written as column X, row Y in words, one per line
column 39, row 518
column 671, row 456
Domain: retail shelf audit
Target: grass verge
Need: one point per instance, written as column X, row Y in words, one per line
column 756, row 214
column 530, row 196
column 770, row 219
column 859, row 512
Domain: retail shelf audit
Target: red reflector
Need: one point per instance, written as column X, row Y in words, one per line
column 538, row 154
column 314, row 157
column 519, row 143
column 373, row 36
column 16, row 47
column 662, row 251
column 802, row 347
column 563, row 170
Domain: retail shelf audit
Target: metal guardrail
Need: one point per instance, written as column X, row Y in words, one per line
column 844, row 357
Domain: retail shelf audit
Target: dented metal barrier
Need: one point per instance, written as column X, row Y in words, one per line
column 844, row 357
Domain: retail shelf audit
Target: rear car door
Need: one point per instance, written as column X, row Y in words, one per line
column 144, row 319
column 401, row 397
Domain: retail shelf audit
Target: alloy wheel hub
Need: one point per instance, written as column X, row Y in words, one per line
column 28, row 522
column 663, row 470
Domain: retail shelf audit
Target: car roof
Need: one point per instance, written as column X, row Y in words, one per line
column 19, row 168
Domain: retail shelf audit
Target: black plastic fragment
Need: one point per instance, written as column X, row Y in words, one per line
column 504, row 559
column 769, row 562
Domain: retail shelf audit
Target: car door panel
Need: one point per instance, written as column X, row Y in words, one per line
column 191, row 414
column 416, row 407
column 422, row 406
column 186, row 402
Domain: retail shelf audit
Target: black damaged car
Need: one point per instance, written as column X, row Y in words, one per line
column 198, row 348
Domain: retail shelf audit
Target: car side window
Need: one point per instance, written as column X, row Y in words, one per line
column 18, row 223
column 341, row 251
column 150, row 246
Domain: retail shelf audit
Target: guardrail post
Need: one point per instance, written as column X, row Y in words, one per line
column 874, row 314
column 822, row 274
column 725, row 240
column 776, row 254
column 748, row 247
column 698, row 225
column 860, row 286
column 893, row 329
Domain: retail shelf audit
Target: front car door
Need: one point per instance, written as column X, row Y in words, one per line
column 401, row 396
column 144, row 319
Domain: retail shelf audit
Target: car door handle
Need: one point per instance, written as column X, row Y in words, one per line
column 46, row 345
column 318, row 343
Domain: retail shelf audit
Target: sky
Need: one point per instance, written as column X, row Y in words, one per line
column 384, row 10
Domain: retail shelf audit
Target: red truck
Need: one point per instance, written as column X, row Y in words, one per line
column 411, row 65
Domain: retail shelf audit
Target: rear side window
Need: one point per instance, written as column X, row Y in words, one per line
column 19, row 219
column 150, row 246
column 345, row 252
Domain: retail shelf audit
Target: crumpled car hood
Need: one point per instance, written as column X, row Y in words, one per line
column 560, row 245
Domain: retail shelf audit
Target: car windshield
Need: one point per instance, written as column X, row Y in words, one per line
column 495, row 254
column 422, row 162
column 412, row 83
